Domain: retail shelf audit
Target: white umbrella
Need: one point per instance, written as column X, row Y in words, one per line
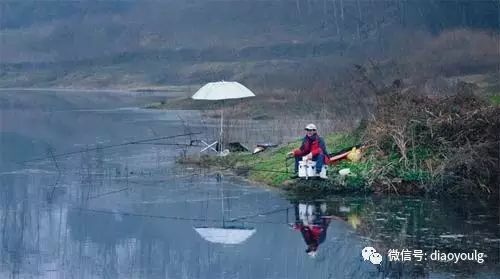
column 225, row 235
column 222, row 90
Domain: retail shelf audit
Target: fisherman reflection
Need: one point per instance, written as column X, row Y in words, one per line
column 312, row 221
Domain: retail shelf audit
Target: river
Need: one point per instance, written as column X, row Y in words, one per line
column 107, row 209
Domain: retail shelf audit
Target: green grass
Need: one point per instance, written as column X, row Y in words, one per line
column 495, row 99
column 270, row 167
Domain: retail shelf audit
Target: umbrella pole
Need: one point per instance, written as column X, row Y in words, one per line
column 221, row 128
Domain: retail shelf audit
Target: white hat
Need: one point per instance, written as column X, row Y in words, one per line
column 311, row 127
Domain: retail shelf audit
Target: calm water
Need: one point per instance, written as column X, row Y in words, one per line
column 130, row 212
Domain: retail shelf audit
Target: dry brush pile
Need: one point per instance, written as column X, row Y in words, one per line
column 449, row 143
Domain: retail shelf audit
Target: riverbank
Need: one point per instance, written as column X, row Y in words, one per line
column 273, row 168
column 116, row 89
column 417, row 145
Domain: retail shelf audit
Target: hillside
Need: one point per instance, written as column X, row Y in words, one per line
column 272, row 44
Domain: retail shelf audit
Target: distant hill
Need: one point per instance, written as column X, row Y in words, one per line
column 63, row 42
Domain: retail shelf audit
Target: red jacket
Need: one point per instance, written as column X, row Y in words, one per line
column 315, row 145
column 313, row 234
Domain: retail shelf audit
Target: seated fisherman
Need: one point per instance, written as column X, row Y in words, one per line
column 313, row 146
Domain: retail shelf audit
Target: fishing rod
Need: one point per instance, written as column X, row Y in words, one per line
column 103, row 147
column 168, row 144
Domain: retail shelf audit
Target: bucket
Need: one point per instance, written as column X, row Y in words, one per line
column 311, row 168
column 308, row 169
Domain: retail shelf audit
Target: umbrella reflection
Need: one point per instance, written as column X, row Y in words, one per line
column 225, row 234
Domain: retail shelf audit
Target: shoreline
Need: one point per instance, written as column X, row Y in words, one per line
column 65, row 89
column 138, row 90
column 317, row 188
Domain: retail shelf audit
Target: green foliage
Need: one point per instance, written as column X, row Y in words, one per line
column 338, row 141
column 420, row 153
column 414, row 175
column 495, row 99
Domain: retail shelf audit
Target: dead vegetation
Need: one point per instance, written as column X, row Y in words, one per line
column 449, row 143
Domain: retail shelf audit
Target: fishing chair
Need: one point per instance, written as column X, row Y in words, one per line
column 208, row 146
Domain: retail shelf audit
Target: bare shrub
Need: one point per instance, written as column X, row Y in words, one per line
column 454, row 140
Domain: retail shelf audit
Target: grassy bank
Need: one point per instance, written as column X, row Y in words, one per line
column 274, row 169
column 416, row 144
column 271, row 167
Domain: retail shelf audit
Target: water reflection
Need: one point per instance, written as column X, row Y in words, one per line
column 102, row 228
column 427, row 225
column 312, row 221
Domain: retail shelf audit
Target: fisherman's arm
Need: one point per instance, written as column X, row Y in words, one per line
column 298, row 152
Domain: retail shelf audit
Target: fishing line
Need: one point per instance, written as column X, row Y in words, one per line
column 103, row 147
column 140, row 173
column 176, row 218
column 253, row 169
column 108, row 193
column 263, row 213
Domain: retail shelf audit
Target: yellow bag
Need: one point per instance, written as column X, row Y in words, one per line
column 354, row 155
